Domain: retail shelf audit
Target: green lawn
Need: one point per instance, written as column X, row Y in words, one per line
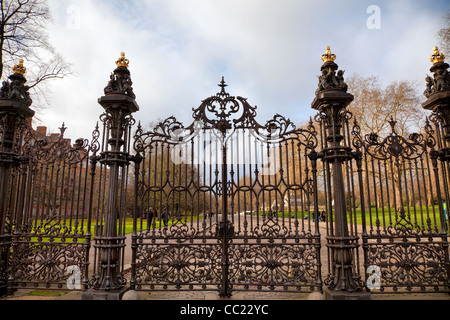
column 418, row 216
column 128, row 228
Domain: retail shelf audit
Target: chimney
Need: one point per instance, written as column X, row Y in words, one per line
column 42, row 131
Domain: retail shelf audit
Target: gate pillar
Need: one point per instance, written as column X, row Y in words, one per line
column 437, row 93
column 438, row 96
column 15, row 111
column 119, row 103
column 331, row 101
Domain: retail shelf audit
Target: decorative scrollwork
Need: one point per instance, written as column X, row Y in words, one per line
column 432, row 137
column 403, row 225
column 95, row 144
column 217, row 113
column 178, row 266
column 305, row 136
column 46, row 263
column 273, row 266
column 441, row 77
column 395, row 145
column 169, row 131
column 194, row 252
column 357, row 140
column 345, row 116
column 329, row 80
column 120, row 81
column 46, row 151
column 55, row 228
column 279, row 126
column 410, row 264
column 271, row 228
column 179, row 230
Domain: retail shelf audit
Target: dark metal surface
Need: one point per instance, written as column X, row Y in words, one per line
column 226, row 204
column 405, row 230
column 47, row 207
column 256, row 237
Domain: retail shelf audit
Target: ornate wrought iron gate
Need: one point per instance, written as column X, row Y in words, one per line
column 44, row 198
column 405, row 230
column 240, row 200
column 226, row 204
column 48, row 206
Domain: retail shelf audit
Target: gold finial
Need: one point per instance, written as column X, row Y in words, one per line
column 328, row 56
column 122, row 62
column 19, row 68
column 437, row 56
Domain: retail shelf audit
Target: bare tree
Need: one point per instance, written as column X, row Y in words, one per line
column 374, row 107
column 23, row 36
column 444, row 35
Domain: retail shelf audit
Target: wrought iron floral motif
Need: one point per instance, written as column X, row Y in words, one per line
column 273, row 266
column 215, row 112
column 395, row 146
column 183, row 267
column 408, row 266
column 179, row 230
column 46, row 263
column 271, row 228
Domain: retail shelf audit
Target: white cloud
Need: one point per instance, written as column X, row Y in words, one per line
column 268, row 51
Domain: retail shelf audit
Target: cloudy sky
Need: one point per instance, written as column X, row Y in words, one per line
column 268, row 52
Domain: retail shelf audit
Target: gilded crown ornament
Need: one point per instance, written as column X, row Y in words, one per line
column 14, row 88
column 440, row 81
column 19, row 68
column 437, row 56
column 122, row 62
column 329, row 80
column 120, row 80
column 328, row 56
